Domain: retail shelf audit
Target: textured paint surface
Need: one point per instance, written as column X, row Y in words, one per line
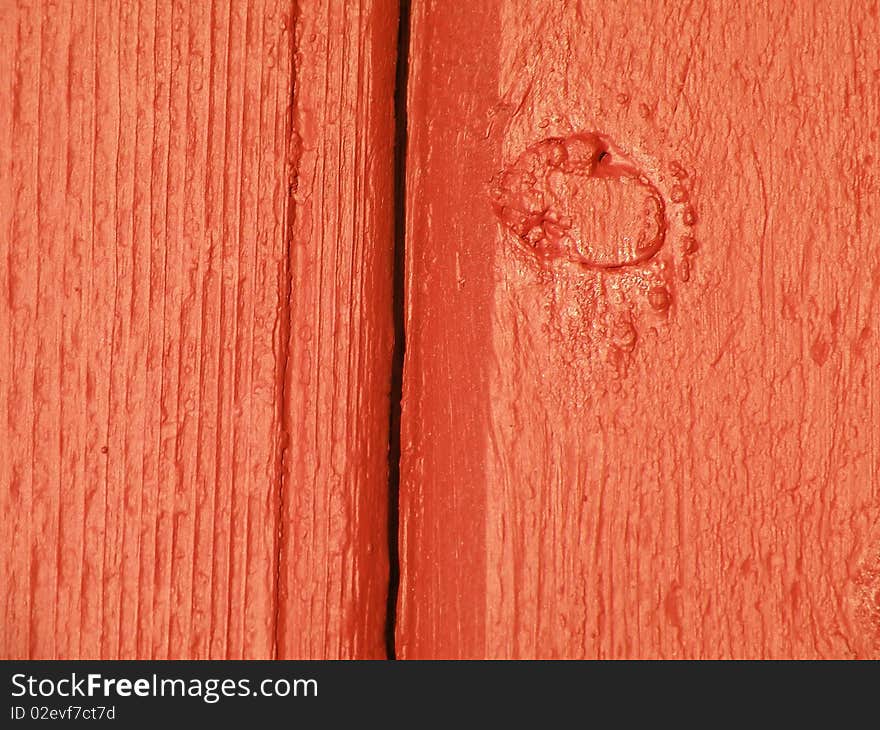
column 169, row 234
column 334, row 559
column 675, row 457
column 641, row 399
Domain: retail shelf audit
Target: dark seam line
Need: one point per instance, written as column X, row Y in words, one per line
column 286, row 277
column 398, row 303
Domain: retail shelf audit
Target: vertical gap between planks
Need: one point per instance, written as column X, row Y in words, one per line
column 400, row 141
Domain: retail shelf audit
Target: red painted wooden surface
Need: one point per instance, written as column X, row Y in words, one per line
column 193, row 377
column 678, row 458
column 641, row 388
column 334, row 559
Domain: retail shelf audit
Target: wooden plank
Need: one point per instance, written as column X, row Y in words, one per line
column 678, row 456
column 450, row 239
column 334, row 560
column 158, row 493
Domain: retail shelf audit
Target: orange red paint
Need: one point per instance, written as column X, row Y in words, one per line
column 640, row 414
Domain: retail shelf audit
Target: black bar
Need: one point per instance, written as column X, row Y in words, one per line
column 435, row 694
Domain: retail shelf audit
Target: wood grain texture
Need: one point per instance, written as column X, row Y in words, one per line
column 449, row 253
column 676, row 459
column 334, row 560
column 155, row 280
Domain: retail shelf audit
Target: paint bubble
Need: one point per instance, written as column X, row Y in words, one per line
column 658, row 298
column 684, row 271
column 625, row 336
column 579, row 199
